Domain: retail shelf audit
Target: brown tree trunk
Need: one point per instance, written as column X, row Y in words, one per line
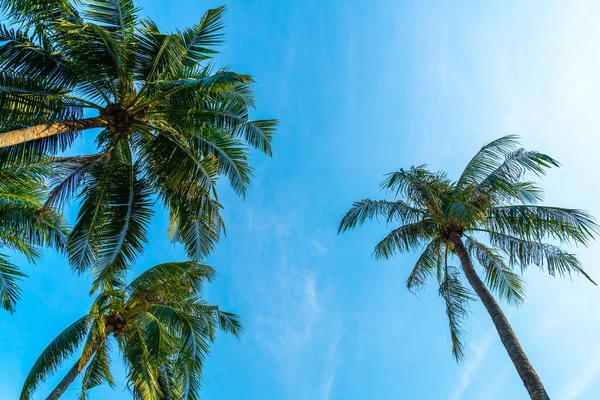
column 63, row 385
column 530, row 379
column 23, row 135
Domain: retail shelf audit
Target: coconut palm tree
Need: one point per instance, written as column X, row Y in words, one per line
column 169, row 126
column 25, row 226
column 161, row 325
column 491, row 199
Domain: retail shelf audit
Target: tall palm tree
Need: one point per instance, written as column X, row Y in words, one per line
column 169, row 125
column 491, row 199
column 161, row 325
column 25, row 226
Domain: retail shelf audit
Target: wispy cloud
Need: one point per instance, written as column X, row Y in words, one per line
column 294, row 324
column 588, row 376
column 288, row 325
column 319, row 248
column 475, row 357
column 330, row 368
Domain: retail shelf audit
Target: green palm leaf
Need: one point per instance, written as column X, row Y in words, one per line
column 10, row 276
column 456, row 297
column 499, row 276
column 51, row 358
column 98, row 371
column 407, row 237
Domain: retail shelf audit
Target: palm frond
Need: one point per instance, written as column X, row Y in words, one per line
column 420, row 187
column 428, row 264
column 540, row 222
column 142, row 373
column 499, row 276
column 487, row 160
column 40, row 13
column 118, row 16
column 120, row 240
column 391, row 211
column 98, row 370
column 113, row 220
column 406, row 238
column 63, row 346
column 19, row 54
column 176, row 280
column 70, row 174
column 10, row 292
column 456, row 297
column 158, row 54
column 199, row 39
column 526, row 252
column 229, row 322
column 504, row 182
column 197, row 226
column 230, row 155
column 191, row 174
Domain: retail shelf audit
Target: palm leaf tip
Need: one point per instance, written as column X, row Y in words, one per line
column 10, row 292
column 456, row 298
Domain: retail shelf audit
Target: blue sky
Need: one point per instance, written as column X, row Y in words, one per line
column 361, row 89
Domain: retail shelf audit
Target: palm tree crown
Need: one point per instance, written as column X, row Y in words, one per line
column 490, row 200
column 161, row 325
column 169, row 125
column 25, row 226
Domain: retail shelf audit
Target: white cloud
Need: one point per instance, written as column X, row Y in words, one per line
column 330, row 369
column 288, row 324
column 319, row 248
column 299, row 334
column 476, row 356
column 582, row 381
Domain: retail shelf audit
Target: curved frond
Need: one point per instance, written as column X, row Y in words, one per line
column 10, row 292
column 199, row 39
column 428, row 264
column 113, row 220
column 505, row 182
column 142, row 371
column 121, row 239
column 174, row 280
column 406, row 238
column 70, row 174
column 230, row 155
column 63, row 346
column 192, row 174
column 456, row 297
column 525, row 252
column 98, row 370
column 229, row 322
column 40, row 13
column 499, row 276
column 19, row 54
column 117, row 16
column 487, row 160
column 539, row 222
column 420, row 187
column 366, row 209
column 197, row 226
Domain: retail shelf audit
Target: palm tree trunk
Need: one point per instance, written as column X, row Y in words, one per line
column 41, row 131
column 60, row 389
column 530, row 379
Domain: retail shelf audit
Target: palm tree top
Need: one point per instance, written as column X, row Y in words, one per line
column 171, row 124
column 161, row 324
column 490, row 200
